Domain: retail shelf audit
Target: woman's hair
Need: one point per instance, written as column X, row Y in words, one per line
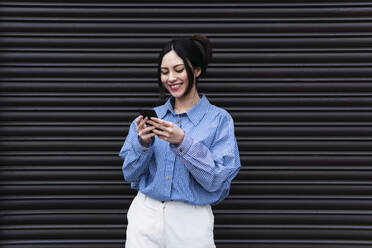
column 197, row 50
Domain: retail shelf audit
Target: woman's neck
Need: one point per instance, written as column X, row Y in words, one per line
column 185, row 103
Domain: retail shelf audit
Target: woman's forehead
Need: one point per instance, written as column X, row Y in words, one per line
column 171, row 59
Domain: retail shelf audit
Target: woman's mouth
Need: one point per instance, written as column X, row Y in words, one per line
column 175, row 87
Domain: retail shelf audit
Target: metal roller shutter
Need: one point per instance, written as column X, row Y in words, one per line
column 296, row 77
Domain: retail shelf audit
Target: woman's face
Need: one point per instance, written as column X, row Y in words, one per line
column 174, row 74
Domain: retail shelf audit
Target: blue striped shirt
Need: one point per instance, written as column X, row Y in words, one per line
column 199, row 170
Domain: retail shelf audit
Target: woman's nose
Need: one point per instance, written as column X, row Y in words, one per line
column 172, row 76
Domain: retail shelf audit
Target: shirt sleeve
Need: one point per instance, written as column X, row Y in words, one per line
column 136, row 157
column 215, row 167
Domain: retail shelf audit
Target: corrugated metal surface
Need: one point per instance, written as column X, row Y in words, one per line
column 296, row 76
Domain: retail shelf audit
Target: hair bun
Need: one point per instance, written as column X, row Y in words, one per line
column 207, row 47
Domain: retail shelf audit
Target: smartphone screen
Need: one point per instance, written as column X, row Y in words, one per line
column 148, row 113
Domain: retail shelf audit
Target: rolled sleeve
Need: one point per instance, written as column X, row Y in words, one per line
column 137, row 147
column 182, row 148
column 212, row 167
column 136, row 157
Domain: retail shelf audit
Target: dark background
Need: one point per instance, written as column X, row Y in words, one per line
column 296, row 77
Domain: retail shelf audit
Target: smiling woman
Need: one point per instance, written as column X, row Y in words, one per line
column 182, row 162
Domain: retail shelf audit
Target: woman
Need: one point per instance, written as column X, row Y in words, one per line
column 183, row 161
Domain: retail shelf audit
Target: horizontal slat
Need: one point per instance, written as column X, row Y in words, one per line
column 241, row 3
column 279, row 187
column 233, row 19
column 117, row 132
column 102, row 59
column 271, row 145
column 153, row 27
column 312, row 43
column 249, row 204
column 224, row 233
column 247, row 173
column 271, row 72
column 213, row 87
column 302, row 118
column 252, row 161
column 90, row 100
column 112, row 216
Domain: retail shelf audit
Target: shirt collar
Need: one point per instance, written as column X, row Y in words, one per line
column 195, row 114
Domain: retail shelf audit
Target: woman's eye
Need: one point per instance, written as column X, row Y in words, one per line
column 165, row 72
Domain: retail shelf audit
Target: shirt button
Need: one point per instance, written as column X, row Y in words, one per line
column 168, row 177
column 178, row 121
column 181, row 149
column 145, row 150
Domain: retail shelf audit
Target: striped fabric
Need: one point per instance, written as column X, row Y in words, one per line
column 198, row 171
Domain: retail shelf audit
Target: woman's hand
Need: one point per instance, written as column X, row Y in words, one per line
column 167, row 131
column 144, row 132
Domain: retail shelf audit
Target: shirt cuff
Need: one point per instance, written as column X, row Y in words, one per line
column 141, row 149
column 182, row 148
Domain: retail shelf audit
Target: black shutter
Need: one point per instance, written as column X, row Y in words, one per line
column 296, row 77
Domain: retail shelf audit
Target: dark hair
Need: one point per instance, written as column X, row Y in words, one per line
column 196, row 49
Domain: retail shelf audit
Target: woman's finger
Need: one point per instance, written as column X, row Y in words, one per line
column 142, row 123
column 160, row 133
column 157, row 120
column 148, row 136
column 162, row 122
column 155, row 124
column 148, row 129
column 138, row 121
column 139, row 118
column 145, row 131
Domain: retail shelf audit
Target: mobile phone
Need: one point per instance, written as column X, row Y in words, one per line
column 148, row 113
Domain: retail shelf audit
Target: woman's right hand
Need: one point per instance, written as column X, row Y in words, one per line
column 144, row 132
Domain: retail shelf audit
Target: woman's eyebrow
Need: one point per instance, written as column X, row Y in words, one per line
column 173, row 66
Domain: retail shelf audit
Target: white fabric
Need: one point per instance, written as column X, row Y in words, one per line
column 153, row 224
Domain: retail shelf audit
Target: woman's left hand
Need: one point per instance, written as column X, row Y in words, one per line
column 167, row 131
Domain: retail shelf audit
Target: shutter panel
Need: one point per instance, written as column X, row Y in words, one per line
column 296, row 77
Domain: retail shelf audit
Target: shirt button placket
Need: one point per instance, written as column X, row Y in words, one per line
column 168, row 174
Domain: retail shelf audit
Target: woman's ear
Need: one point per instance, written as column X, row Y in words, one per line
column 197, row 72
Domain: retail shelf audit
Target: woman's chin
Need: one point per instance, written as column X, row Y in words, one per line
column 177, row 94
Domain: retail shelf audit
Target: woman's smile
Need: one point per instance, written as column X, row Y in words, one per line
column 175, row 87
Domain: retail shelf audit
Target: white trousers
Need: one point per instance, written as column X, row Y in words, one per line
column 172, row 224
